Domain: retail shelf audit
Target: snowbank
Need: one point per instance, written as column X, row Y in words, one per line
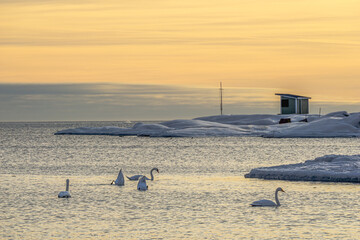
column 329, row 168
column 338, row 124
column 255, row 119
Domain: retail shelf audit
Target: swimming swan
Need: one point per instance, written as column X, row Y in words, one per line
column 268, row 203
column 142, row 184
column 65, row 194
column 120, row 181
column 136, row 177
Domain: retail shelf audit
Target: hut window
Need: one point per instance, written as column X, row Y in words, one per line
column 285, row 103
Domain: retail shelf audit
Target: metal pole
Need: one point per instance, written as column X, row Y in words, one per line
column 221, row 106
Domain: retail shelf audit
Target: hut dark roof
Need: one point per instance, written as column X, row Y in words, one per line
column 291, row 95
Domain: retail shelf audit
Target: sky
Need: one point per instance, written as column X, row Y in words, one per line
column 164, row 59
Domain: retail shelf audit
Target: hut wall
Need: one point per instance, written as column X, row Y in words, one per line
column 288, row 108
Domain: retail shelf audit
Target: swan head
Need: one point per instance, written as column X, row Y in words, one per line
column 280, row 189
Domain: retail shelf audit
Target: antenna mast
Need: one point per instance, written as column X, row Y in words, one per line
column 221, row 105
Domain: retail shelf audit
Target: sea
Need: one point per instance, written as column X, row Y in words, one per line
column 199, row 193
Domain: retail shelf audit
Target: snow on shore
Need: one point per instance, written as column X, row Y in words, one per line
column 329, row 168
column 337, row 124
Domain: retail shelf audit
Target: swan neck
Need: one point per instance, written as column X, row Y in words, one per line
column 151, row 174
column 67, row 185
column 276, row 198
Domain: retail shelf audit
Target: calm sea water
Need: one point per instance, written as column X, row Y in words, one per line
column 200, row 192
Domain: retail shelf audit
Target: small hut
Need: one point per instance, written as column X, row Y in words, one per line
column 294, row 104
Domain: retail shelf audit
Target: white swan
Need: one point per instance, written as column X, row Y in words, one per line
column 120, row 181
column 65, row 194
column 136, row 177
column 268, row 203
column 142, row 184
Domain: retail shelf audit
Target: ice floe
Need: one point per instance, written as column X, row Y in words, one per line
column 329, row 168
column 337, row 124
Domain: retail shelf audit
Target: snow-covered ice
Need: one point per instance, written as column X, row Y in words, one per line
column 337, row 124
column 329, row 168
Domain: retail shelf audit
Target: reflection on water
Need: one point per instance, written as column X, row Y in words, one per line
column 200, row 192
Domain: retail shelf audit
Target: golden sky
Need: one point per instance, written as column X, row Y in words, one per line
column 306, row 47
